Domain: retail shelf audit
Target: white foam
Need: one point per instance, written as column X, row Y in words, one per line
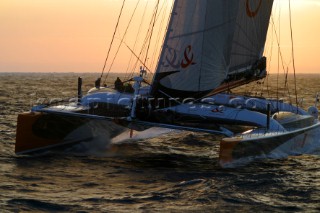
column 149, row 133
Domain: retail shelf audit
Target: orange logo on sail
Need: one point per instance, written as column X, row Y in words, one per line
column 183, row 63
column 252, row 13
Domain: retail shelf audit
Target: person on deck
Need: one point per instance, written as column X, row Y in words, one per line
column 128, row 88
column 118, row 85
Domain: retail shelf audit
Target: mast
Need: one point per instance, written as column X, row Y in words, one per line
column 212, row 45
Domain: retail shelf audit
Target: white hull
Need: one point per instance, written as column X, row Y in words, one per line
column 247, row 147
column 100, row 110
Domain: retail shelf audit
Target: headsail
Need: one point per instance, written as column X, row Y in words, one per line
column 250, row 33
column 205, row 40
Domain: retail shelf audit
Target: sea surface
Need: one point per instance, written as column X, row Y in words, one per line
column 163, row 171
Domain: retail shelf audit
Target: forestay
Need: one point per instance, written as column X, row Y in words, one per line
column 206, row 41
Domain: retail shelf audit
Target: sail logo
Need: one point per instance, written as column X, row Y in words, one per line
column 252, row 13
column 182, row 62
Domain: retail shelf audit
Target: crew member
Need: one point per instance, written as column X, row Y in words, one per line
column 118, row 85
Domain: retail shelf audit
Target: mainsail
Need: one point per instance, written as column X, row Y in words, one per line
column 210, row 44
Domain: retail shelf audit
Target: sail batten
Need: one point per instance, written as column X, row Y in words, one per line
column 209, row 40
column 201, row 31
column 250, row 32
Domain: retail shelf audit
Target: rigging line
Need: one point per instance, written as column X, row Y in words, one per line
column 278, row 42
column 166, row 29
column 138, row 58
column 281, row 56
column 142, row 49
column 136, row 40
column 114, row 33
column 262, row 85
column 121, row 42
column 286, row 83
column 156, row 49
column 164, row 33
column 164, row 41
column 154, row 21
column 148, row 35
column 150, row 31
column 278, row 69
column 270, row 59
column 293, row 61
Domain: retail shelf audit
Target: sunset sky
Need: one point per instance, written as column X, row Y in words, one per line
column 74, row 35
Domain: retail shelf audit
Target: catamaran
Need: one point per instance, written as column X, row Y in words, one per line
column 210, row 47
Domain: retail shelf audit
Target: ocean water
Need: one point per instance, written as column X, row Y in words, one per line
column 160, row 171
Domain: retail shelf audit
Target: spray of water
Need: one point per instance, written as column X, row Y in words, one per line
column 146, row 134
column 103, row 145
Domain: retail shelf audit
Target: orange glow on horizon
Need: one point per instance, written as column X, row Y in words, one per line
column 306, row 32
column 74, row 35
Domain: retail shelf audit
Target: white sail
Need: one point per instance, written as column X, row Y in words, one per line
column 250, row 34
column 200, row 44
